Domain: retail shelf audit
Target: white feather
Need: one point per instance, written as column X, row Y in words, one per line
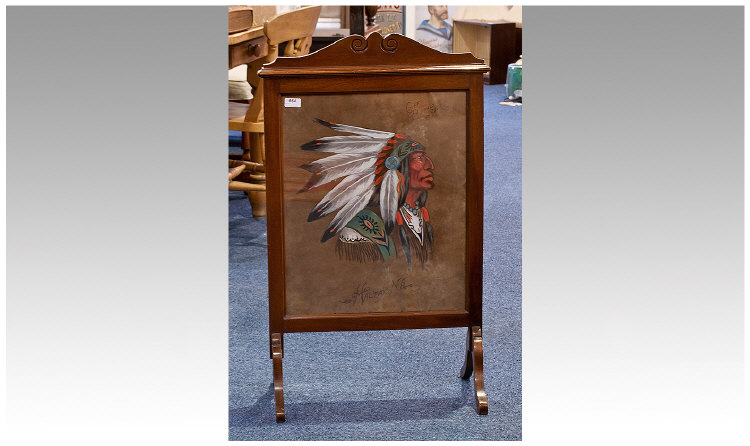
column 350, row 188
column 350, row 144
column 349, row 211
column 353, row 138
column 389, row 197
column 336, row 166
column 355, row 160
column 360, row 130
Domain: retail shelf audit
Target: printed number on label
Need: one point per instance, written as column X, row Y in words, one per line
column 293, row 102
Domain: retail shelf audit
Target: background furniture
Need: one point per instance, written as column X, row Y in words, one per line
column 237, row 167
column 337, row 22
column 245, row 46
column 291, row 31
column 239, row 88
column 495, row 13
column 240, row 18
column 495, row 42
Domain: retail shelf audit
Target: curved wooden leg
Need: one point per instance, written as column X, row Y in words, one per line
column 278, row 381
column 474, row 363
column 481, row 394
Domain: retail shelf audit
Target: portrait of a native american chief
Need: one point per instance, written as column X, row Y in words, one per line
column 383, row 179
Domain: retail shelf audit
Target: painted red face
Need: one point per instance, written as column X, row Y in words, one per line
column 420, row 171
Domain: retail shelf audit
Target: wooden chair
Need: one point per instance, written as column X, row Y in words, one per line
column 238, row 167
column 294, row 29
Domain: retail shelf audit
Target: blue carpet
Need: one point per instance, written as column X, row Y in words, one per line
column 385, row 385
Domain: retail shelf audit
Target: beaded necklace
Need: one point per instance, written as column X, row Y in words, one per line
column 411, row 210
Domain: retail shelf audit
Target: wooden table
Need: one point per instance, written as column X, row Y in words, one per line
column 247, row 46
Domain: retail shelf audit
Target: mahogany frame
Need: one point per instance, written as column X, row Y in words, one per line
column 375, row 65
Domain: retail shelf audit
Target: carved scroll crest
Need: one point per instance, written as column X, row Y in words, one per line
column 372, row 54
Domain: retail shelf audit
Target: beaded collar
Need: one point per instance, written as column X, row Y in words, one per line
column 412, row 211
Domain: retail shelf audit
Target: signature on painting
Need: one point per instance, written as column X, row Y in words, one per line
column 364, row 293
column 401, row 284
column 418, row 110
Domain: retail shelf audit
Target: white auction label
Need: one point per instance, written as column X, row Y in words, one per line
column 293, row 102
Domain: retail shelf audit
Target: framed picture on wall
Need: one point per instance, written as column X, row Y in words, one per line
column 433, row 26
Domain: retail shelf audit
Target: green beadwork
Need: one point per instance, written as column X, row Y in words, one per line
column 371, row 226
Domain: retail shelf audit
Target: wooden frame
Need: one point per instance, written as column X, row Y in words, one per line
column 376, row 65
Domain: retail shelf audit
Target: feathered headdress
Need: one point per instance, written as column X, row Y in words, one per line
column 367, row 160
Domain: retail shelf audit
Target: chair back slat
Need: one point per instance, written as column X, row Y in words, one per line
column 292, row 25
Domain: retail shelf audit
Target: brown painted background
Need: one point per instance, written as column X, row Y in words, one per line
column 318, row 282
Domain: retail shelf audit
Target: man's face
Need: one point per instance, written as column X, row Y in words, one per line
column 441, row 12
column 420, row 171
